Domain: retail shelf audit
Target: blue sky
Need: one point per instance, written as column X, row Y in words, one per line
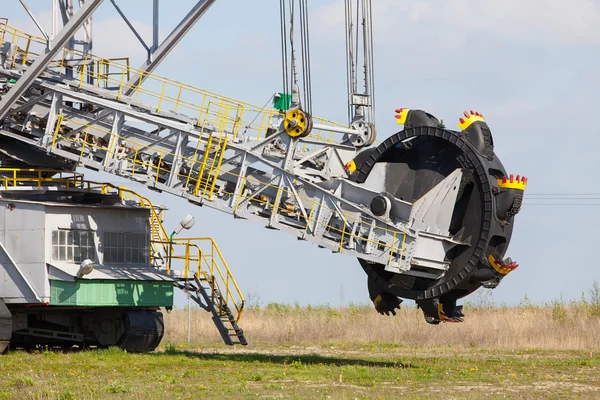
column 530, row 67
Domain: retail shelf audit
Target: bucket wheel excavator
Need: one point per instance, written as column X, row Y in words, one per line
column 428, row 211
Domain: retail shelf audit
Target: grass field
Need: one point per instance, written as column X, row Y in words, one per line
column 335, row 370
column 550, row 351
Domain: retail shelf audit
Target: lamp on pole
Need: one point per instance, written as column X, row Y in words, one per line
column 186, row 223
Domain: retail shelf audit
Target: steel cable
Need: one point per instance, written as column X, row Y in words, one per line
column 284, row 49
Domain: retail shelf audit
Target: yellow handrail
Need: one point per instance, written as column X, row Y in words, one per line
column 226, row 114
column 213, row 267
column 12, row 177
column 155, row 223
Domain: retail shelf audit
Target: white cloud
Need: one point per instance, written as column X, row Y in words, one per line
column 459, row 21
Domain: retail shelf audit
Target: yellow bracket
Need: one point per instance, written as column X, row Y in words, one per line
column 441, row 315
column 377, row 301
column 350, row 167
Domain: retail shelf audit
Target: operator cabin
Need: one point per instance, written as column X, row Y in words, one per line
column 85, row 250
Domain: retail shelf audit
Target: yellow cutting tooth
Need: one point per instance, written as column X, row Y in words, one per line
column 469, row 119
column 401, row 115
column 502, row 268
column 512, row 183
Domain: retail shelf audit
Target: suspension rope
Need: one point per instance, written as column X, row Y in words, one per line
column 293, row 49
column 371, row 58
column 349, row 63
column 284, row 48
column 289, row 67
column 306, row 65
column 359, row 44
column 257, row 115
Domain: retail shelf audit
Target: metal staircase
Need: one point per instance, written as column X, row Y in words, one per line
column 207, row 295
column 212, row 285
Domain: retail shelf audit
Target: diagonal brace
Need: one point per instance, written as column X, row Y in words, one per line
column 38, row 66
column 159, row 54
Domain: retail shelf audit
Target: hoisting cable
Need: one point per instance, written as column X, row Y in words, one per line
column 303, row 52
column 257, row 114
column 284, row 49
column 369, row 51
column 349, row 56
column 356, row 51
column 359, row 39
column 288, row 54
column 293, row 50
column 306, row 65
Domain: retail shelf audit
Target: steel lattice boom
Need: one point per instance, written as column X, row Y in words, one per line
column 423, row 211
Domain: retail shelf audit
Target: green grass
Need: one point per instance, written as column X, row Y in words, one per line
column 337, row 370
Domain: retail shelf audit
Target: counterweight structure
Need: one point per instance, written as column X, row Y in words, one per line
column 428, row 211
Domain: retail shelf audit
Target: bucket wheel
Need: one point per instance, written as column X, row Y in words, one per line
column 418, row 158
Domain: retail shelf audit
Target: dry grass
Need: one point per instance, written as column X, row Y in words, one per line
column 526, row 352
column 557, row 326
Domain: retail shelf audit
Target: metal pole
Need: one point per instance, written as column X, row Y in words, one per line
column 189, row 319
column 137, row 35
column 43, row 60
column 157, row 56
column 35, row 21
column 336, row 129
column 54, row 17
column 155, row 28
column 87, row 32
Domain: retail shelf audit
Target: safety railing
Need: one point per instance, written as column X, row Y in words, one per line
column 26, row 47
column 211, row 110
column 204, row 256
column 158, row 235
column 105, row 73
column 15, row 177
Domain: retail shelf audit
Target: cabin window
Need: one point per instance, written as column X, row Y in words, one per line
column 73, row 245
column 123, row 247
